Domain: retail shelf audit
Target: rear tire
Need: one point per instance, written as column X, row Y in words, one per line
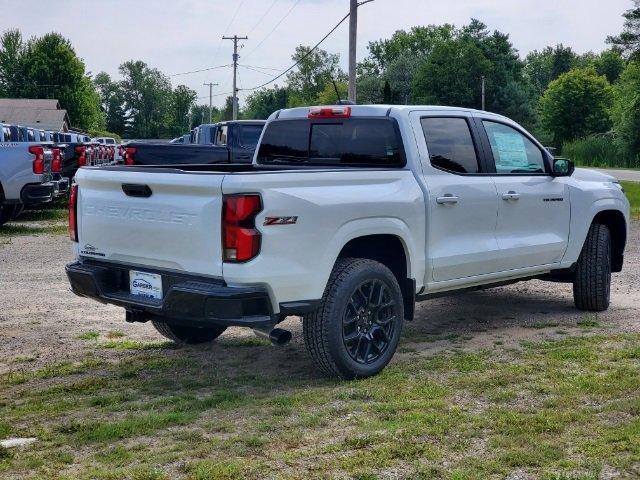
column 592, row 282
column 356, row 329
column 6, row 213
column 186, row 334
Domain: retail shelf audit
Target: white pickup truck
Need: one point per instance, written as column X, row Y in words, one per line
column 347, row 217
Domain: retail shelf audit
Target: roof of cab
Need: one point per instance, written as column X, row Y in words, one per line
column 375, row 110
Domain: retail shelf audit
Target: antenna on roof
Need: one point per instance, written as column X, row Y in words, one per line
column 340, row 101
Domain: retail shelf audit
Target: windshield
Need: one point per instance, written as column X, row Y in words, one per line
column 349, row 142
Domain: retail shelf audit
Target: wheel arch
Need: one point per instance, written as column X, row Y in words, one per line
column 615, row 221
column 391, row 251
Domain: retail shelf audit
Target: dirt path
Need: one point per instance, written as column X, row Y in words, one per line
column 41, row 320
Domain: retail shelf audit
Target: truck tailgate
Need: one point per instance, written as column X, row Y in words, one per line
column 160, row 219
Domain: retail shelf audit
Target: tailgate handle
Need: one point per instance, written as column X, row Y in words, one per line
column 136, row 190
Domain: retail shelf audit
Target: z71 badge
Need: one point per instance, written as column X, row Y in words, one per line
column 280, row 220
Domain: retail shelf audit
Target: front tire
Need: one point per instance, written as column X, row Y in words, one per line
column 356, row 329
column 186, row 334
column 592, row 281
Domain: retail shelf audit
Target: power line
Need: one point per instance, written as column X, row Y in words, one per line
column 304, row 56
column 264, row 15
column 235, row 14
column 254, row 69
column 201, row 70
column 262, row 68
column 273, row 29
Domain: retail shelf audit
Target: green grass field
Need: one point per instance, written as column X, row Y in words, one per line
column 632, row 190
column 564, row 409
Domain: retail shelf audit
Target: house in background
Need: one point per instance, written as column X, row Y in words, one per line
column 43, row 113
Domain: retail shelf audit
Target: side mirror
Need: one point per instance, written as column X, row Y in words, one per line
column 563, row 167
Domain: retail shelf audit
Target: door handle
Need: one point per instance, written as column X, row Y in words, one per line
column 447, row 199
column 510, row 195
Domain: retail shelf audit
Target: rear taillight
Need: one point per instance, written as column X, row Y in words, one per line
column 73, row 213
column 329, row 112
column 56, row 161
column 81, row 150
column 240, row 239
column 129, row 156
column 38, row 162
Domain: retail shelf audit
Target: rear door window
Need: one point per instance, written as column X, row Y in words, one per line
column 221, row 136
column 249, row 135
column 352, row 142
column 450, row 144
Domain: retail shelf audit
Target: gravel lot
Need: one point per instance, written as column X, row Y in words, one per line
column 41, row 319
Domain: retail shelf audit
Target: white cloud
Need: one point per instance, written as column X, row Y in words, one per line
column 183, row 35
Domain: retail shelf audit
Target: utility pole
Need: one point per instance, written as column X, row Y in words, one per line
column 211, row 85
column 483, row 92
column 235, row 39
column 353, row 34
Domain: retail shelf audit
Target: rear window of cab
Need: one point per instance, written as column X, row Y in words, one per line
column 354, row 142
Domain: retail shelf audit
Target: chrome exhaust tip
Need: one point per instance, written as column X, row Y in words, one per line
column 277, row 336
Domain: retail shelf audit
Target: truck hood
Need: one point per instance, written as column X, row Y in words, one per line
column 589, row 175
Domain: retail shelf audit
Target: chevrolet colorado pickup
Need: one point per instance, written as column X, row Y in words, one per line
column 225, row 142
column 29, row 171
column 347, row 217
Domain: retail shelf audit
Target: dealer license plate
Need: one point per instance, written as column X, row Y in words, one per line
column 145, row 284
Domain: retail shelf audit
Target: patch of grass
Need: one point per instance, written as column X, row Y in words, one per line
column 136, row 345
column 590, row 321
column 632, row 191
column 115, row 334
column 53, row 370
column 44, row 214
column 555, row 406
column 239, row 342
column 545, row 324
column 5, row 454
column 90, row 335
column 10, row 230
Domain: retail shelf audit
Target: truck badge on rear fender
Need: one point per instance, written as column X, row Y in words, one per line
column 280, row 220
column 91, row 250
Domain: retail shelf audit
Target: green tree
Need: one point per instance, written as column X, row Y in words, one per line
column 147, row 97
column 626, row 111
column 112, row 103
column 541, row 68
column 51, row 69
column 227, row 111
column 328, row 96
column 11, row 62
column 315, row 70
column 199, row 114
column 629, row 40
column 610, row 64
column 418, row 43
column 575, row 105
column 182, row 100
column 451, row 75
column 262, row 103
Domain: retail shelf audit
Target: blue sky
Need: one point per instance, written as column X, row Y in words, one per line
column 182, row 35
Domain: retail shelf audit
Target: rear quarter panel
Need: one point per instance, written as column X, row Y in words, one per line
column 16, row 168
column 333, row 207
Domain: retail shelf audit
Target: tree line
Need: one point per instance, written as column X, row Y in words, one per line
column 588, row 104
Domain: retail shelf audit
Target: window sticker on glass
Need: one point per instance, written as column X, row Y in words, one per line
column 511, row 149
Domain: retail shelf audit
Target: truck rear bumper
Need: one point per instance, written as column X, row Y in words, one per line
column 38, row 193
column 188, row 299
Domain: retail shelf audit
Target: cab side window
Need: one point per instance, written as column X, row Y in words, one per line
column 450, row 144
column 221, row 136
column 512, row 151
